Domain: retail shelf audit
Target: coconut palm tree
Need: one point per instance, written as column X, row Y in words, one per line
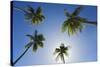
column 61, row 52
column 34, row 16
column 74, row 22
column 36, row 41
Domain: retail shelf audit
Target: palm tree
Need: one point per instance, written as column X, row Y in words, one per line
column 74, row 22
column 36, row 41
column 61, row 52
column 35, row 16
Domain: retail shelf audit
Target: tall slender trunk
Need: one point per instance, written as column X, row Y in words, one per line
column 63, row 58
column 13, row 63
column 91, row 22
column 20, row 9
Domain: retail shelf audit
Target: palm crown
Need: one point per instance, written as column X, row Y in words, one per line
column 73, row 22
column 35, row 41
column 61, row 52
column 35, row 16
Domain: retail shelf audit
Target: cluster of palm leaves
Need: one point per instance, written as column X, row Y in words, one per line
column 61, row 52
column 35, row 16
column 36, row 41
column 74, row 22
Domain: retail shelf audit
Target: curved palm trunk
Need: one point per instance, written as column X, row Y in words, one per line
column 91, row 22
column 63, row 58
column 13, row 63
column 20, row 9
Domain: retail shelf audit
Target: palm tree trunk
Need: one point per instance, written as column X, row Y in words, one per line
column 91, row 22
column 20, row 9
column 63, row 58
column 13, row 63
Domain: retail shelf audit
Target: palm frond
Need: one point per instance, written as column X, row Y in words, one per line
column 41, row 37
column 28, row 16
column 37, row 20
column 30, row 9
column 77, row 11
column 66, row 48
column 39, row 11
column 66, row 54
column 34, row 20
column 40, row 44
column 57, row 50
column 35, row 47
column 42, row 16
column 70, row 29
column 64, row 25
column 66, row 13
column 30, row 36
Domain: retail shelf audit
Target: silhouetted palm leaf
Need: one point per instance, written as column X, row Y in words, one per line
column 40, row 44
column 57, row 50
column 40, row 37
column 35, row 47
column 30, row 36
column 39, row 11
column 67, row 14
column 77, row 11
column 30, row 10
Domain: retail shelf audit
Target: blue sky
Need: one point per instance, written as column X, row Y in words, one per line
column 83, row 45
